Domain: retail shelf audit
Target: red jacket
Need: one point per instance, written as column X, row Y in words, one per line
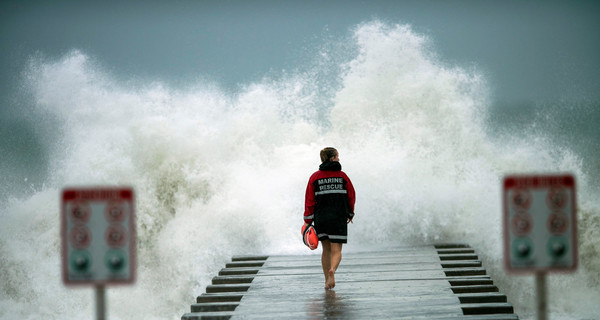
column 329, row 189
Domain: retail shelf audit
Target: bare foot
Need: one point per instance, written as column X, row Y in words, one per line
column 330, row 284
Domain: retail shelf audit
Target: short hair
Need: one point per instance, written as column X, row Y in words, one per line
column 327, row 153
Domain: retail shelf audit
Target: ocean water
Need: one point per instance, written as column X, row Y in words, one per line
column 221, row 172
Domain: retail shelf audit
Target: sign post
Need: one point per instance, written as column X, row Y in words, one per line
column 98, row 239
column 542, row 296
column 540, row 228
column 100, row 302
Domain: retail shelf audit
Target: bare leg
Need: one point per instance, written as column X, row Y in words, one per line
column 326, row 260
column 336, row 258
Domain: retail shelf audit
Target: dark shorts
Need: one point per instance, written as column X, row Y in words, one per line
column 331, row 227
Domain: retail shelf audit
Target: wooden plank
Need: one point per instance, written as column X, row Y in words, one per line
column 486, row 308
column 459, row 256
column 487, row 297
column 227, row 288
column 244, row 264
column 232, row 279
column 454, row 251
column 219, row 297
column 475, row 289
column 213, row 306
column 248, row 258
column 237, row 271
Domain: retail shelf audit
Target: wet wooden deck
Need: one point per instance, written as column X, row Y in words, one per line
column 429, row 282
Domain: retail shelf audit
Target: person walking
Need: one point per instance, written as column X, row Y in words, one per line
column 329, row 204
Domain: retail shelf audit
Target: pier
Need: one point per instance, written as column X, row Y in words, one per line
column 445, row 281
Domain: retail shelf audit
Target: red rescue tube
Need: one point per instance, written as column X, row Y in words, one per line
column 309, row 237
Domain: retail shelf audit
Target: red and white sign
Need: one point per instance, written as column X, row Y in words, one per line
column 540, row 223
column 98, row 236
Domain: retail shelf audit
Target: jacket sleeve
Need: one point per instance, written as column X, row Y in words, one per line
column 351, row 198
column 309, row 203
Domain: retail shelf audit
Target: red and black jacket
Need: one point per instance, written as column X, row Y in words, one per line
column 329, row 189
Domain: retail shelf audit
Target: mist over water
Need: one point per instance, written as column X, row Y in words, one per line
column 219, row 173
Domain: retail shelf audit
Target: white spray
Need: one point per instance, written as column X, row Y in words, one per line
column 219, row 174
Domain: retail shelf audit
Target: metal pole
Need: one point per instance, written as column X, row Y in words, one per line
column 540, row 284
column 100, row 303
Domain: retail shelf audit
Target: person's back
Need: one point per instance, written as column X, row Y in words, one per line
column 329, row 204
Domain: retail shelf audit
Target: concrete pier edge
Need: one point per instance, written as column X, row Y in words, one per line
column 469, row 289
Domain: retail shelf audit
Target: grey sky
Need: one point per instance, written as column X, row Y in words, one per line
column 528, row 50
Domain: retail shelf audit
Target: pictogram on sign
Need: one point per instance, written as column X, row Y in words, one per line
column 116, row 236
column 115, row 211
column 521, row 199
column 80, row 212
column 558, row 223
column 522, row 223
column 80, row 236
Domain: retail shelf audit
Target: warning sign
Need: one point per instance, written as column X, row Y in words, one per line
column 540, row 223
column 98, row 236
